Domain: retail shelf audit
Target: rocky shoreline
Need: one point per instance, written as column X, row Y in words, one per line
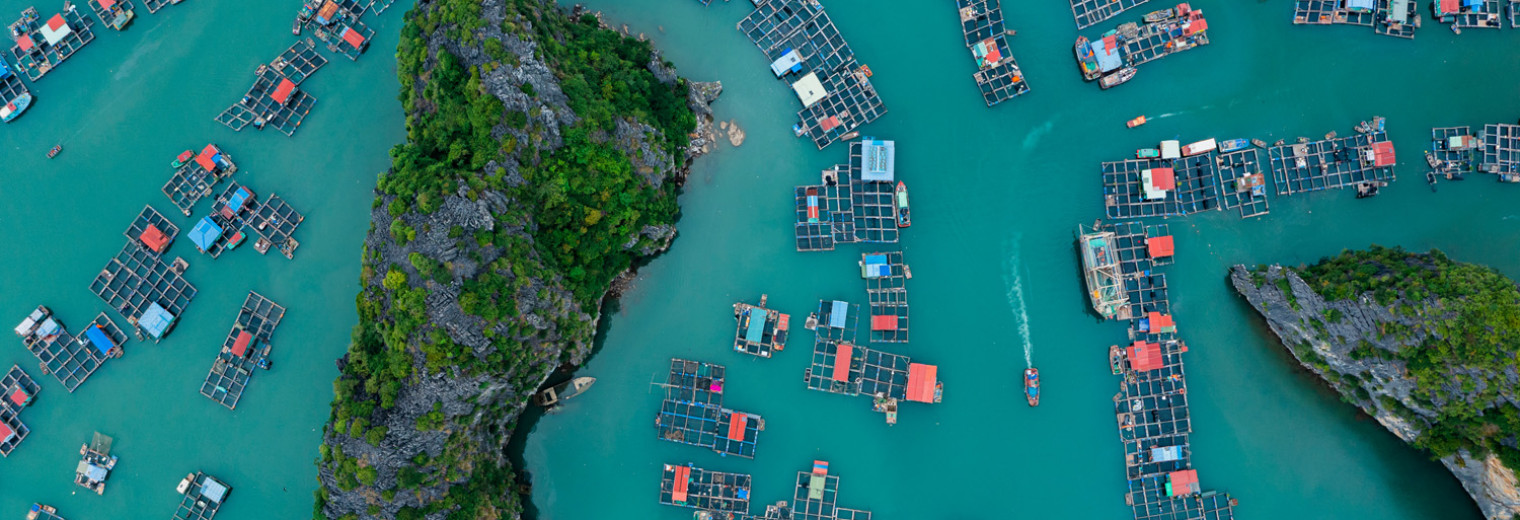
column 1332, row 338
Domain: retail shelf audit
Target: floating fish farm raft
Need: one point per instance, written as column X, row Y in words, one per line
column 43, row 512
column 815, row 497
column 298, row 62
column 853, row 203
column 12, row 431
column 1143, row 188
column 705, row 490
column 154, row 5
column 761, row 331
column 43, row 45
column 1132, row 45
column 1243, row 183
column 246, row 348
column 203, row 496
column 1118, row 265
column 1332, row 163
column 886, row 279
column 152, row 231
column 150, row 293
column 1465, row 14
column 275, row 223
column 693, row 413
column 343, row 33
column 19, row 390
column 95, row 464
column 11, row 87
column 221, row 231
column 1089, row 12
column 379, row 6
column 115, row 14
column 273, row 101
column 807, row 51
column 1398, row 18
column 70, row 359
column 195, row 179
column 1453, row 153
column 998, row 76
column 840, row 366
column 1501, row 151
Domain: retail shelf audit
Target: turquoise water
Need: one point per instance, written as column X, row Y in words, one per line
column 123, row 107
column 998, row 194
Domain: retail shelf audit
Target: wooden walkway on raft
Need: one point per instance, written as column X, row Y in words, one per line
column 233, row 368
column 1090, row 12
column 154, row 5
column 42, row 57
column 705, row 490
column 998, row 76
column 693, row 412
column 71, row 359
column 137, row 278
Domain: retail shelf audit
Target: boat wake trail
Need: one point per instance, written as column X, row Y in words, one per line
column 1015, row 284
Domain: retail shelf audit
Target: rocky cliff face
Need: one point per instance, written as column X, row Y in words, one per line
column 1354, row 344
column 462, row 316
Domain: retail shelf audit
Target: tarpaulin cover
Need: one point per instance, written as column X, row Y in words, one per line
column 240, row 346
column 5, row 433
column 205, row 233
column 353, row 37
column 19, row 397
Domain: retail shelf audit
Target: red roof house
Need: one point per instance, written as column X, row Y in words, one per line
column 1382, row 154
column 241, row 345
column 353, row 38
column 842, row 362
column 683, row 478
column 204, row 159
column 921, row 382
column 1184, row 482
column 1144, row 357
column 1163, row 179
column 1160, row 247
column 107, row 4
column 57, row 22
column 25, row 42
column 154, row 238
column 736, row 423
column 19, row 397
column 282, row 92
column 884, row 323
column 5, row 432
column 1161, row 322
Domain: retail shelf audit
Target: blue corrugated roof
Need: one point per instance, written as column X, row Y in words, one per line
column 99, row 339
column 1365, row 5
column 756, row 325
column 205, row 233
column 155, row 320
column 236, row 200
column 1107, row 60
column 876, row 259
column 837, row 314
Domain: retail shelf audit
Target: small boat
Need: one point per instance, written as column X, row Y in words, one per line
column 184, row 158
column 849, row 136
column 1159, row 16
column 295, row 27
column 1430, row 159
column 1330, row 135
column 1259, row 143
column 901, row 201
column 1032, row 386
column 14, row 109
column 54, row 152
column 38, row 509
column 1116, row 359
column 1200, row 147
column 1118, row 78
column 1087, row 61
column 1136, row 122
column 1280, row 142
column 1368, row 189
column 1233, row 144
column 1147, row 153
column 552, row 396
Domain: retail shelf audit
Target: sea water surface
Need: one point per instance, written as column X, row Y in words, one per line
column 997, row 196
column 123, row 107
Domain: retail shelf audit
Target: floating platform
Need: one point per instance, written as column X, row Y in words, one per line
column 1454, row 152
column 693, row 413
column 1501, row 151
column 274, row 101
column 835, row 321
column 154, row 5
column 1146, row 188
column 203, row 497
column 886, row 279
column 815, row 497
column 70, row 359
column 1332, row 163
column 222, row 230
column 379, row 6
column 346, row 36
column 1397, row 18
column 1132, row 45
column 846, row 369
column 1486, row 16
column 116, row 14
column 298, row 62
column 95, row 464
column 17, row 389
column 275, row 223
column 1090, row 12
column 151, row 230
column 42, row 45
column 246, row 348
column 11, row 86
column 43, row 512
column 150, row 293
column 803, row 43
column 1175, row 496
column 761, row 331
column 1243, row 182
column 825, row 213
column 873, row 196
column 705, row 490
column 998, row 76
column 12, row 431
column 195, row 179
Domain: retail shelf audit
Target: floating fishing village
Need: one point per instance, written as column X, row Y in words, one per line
column 146, row 288
column 1113, row 58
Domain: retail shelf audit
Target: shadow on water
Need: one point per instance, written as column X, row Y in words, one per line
column 528, row 421
column 1386, row 442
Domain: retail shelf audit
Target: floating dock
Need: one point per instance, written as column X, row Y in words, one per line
column 152, row 230
column 43, row 512
column 1118, row 264
column 825, row 213
column 1453, row 152
column 42, row 45
column 1398, row 18
column 116, row 14
column 1144, row 188
column 274, row 101
column 1481, row 14
column 203, row 497
column 246, row 348
column 1133, row 45
column 841, row 367
column 150, row 293
column 1332, row 163
column 1243, row 182
column 761, row 331
column 803, row 43
column 886, row 279
column 17, row 389
column 95, row 464
column 195, row 179
column 693, row 413
column 275, row 223
column 815, row 497
column 705, row 490
column 1501, row 151
column 998, row 76
column 1090, row 12
column 70, row 359
column 346, row 36
column 222, row 230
